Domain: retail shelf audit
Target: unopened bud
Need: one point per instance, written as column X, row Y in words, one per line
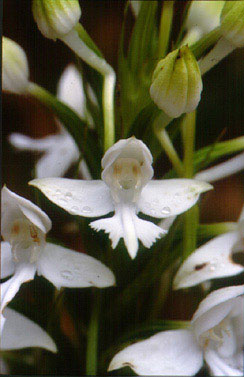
column 177, row 83
column 232, row 22
column 56, row 18
column 15, row 70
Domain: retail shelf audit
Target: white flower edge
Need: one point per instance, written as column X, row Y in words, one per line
column 210, row 261
column 20, row 332
column 170, row 353
column 60, row 150
column 178, row 352
column 223, row 170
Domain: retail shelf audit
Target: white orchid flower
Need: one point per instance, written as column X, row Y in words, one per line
column 25, row 252
column 60, row 150
column 215, row 335
column 20, row 332
column 126, row 188
column 213, row 259
column 203, row 17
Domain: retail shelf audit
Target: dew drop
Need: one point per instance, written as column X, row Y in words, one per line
column 165, row 211
column 62, row 200
column 68, row 195
column 74, row 208
column 58, row 192
column 86, row 209
column 66, row 274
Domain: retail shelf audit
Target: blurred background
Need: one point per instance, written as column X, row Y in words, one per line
column 221, row 112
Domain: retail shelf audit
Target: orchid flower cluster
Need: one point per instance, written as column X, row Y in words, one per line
column 137, row 227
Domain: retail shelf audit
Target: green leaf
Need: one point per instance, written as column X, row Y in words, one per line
column 207, row 155
column 148, row 329
column 136, row 67
column 74, row 125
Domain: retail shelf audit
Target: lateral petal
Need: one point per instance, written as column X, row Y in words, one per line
column 168, row 353
column 77, row 197
column 215, row 307
column 219, row 366
column 57, row 159
column 14, row 207
column 23, row 273
column 170, row 197
column 210, row 261
column 20, row 332
column 7, row 264
column 66, row 268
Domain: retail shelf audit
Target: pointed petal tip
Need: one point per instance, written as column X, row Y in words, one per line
column 203, row 186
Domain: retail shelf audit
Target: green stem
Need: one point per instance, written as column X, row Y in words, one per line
column 188, row 135
column 74, row 42
column 215, row 229
column 203, row 44
column 190, row 217
column 92, row 336
column 165, row 27
column 168, row 147
column 218, row 53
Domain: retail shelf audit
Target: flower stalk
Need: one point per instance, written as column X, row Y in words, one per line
column 165, row 27
column 73, row 41
column 92, row 336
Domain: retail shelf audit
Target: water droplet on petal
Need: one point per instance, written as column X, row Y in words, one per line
column 62, row 200
column 66, row 274
column 68, row 195
column 165, row 211
column 86, row 209
column 58, row 192
column 74, row 208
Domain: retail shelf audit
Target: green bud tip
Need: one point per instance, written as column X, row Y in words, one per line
column 177, row 83
column 56, row 18
column 15, row 70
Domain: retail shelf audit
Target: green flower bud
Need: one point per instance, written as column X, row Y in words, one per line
column 55, row 18
column 232, row 22
column 15, row 70
column 177, row 83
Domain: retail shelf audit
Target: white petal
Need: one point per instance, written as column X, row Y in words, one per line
column 23, row 273
column 210, row 261
column 127, row 225
column 215, row 307
column 170, row 197
column 128, row 148
column 84, row 170
column 27, row 143
column 67, row 268
column 14, row 206
column 227, row 168
column 71, row 91
column 168, row 353
column 7, row 264
column 21, row 332
column 241, row 217
column 167, row 222
column 77, row 197
column 56, row 161
column 219, row 366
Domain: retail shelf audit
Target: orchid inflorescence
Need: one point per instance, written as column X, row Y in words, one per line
column 152, row 223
